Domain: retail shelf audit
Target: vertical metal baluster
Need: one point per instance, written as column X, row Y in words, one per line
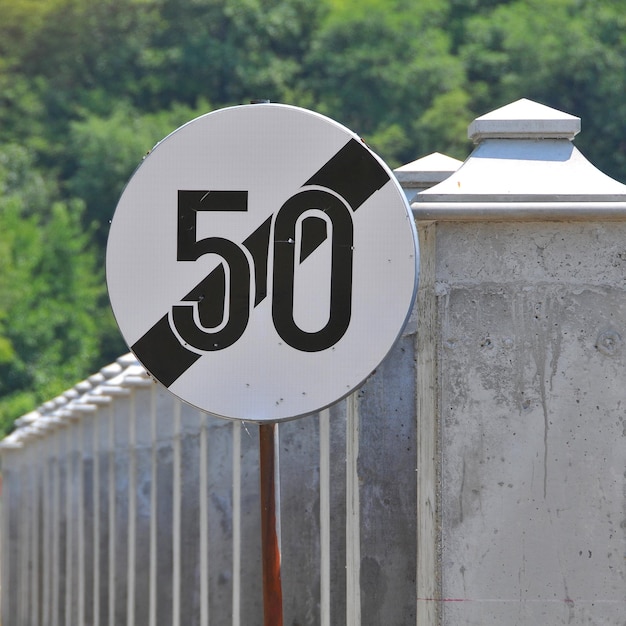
column 324, row 420
column 236, row 524
column 353, row 530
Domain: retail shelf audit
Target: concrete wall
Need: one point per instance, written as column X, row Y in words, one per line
column 478, row 477
column 532, row 455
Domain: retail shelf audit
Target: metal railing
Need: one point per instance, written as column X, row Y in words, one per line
column 123, row 505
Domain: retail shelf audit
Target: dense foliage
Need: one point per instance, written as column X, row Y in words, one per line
column 87, row 88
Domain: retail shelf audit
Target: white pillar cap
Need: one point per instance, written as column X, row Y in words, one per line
column 524, row 119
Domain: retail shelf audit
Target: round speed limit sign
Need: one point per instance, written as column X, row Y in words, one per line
column 261, row 262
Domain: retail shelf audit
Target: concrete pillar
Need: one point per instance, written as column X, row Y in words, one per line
column 522, row 312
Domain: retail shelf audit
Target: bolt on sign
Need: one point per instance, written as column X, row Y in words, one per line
column 261, row 262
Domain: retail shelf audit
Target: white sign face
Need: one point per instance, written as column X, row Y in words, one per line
column 261, row 262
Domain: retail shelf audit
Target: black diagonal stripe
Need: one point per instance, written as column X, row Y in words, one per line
column 354, row 173
column 162, row 354
column 314, row 233
column 258, row 245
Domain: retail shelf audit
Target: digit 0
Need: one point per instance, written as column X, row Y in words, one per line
column 285, row 226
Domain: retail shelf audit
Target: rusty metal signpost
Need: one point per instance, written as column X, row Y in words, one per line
column 270, row 525
column 261, row 263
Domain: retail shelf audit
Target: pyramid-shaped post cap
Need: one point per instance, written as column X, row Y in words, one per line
column 427, row 171
column 524, row 119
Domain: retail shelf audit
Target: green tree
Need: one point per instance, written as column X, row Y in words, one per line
column 568, row 54
column 244, row 49
column 106, row 150
column 52, row 320
column 379, row 66
column 87, row 88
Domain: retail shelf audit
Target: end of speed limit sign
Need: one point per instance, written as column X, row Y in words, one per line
column 261, row 262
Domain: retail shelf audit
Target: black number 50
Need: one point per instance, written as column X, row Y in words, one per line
column 216, row 312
